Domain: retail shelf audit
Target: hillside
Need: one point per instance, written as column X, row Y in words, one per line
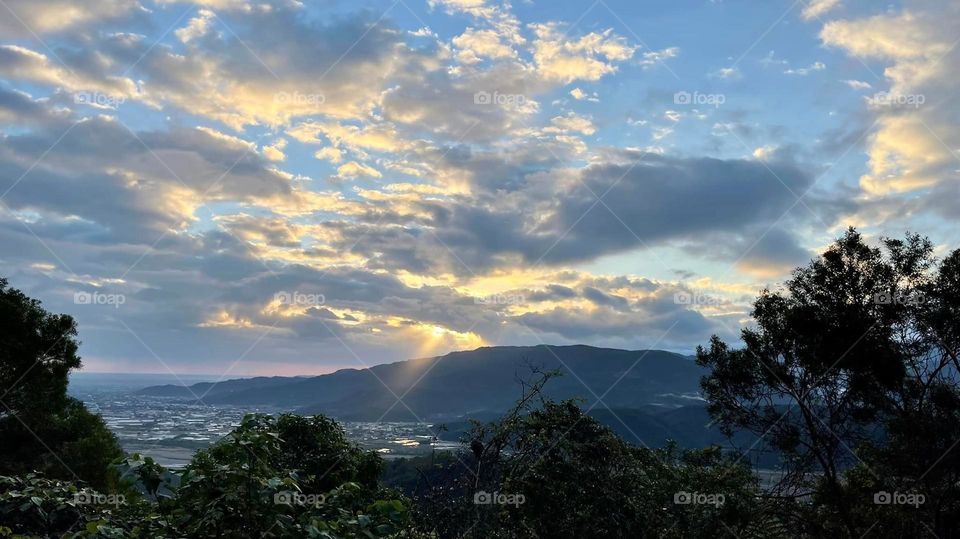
column 467, row 383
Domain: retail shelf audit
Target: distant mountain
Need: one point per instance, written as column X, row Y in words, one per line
column 467, row 384
column 655, row 426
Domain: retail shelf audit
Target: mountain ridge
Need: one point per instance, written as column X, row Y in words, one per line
column 459, row 383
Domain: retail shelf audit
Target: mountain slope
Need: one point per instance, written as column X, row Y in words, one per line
column 466, row 383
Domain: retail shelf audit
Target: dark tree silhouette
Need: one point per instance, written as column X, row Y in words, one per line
column 42, row 428
column 850, row 372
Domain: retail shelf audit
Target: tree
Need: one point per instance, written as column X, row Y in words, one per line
column 42, row 428
column 286, row 476
column 37, row 351
column 850, row 372
column 289, row 476
column 547, row 469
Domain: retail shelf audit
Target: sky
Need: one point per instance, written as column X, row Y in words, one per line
column 281, row 187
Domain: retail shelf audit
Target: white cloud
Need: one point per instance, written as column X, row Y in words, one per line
column 580, row 95
column 913, row 146
column 652, row 58
column 475, row 45
column 771, row 59
column 857, row 84
column 804, row 71
column 560, row 58
column 815, row 8
column 274, row 152
column 353, row 169
column 330, row 153
column 732, row 72
column 571, row 123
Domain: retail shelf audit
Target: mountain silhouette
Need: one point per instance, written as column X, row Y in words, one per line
column 469, row 383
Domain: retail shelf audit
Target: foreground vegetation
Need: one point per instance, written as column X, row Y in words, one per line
column 850, row 374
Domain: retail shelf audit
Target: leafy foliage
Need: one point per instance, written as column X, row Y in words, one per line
column 286, row 476
column 36, row 506
column 38, row 350
column 41, row 427
column 852, row 374
column 547, row 469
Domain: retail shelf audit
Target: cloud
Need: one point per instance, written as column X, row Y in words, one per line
column 177, row 170
column 857, row 84
column 804, row 71
column 231, row 71
column 653, row 198
column 475, row 45
column 354, row 169
column 731, row 72
column 911, row 147
column 80, row 75
column 132, row 186
column 648, row 200
column 330, row 153
column 274, row 152
column 24, row 18
column 816, row 8
column 767, row 253
column 580, row 95
column 653, row 58
column 497, row 17
column 20, row 108
column 572, row 122
column 590, row 57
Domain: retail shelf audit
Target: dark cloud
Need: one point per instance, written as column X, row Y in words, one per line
column 648, row 200
column 656, row 199
column 19, row 108
column 553, row 292
column 609, row 300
